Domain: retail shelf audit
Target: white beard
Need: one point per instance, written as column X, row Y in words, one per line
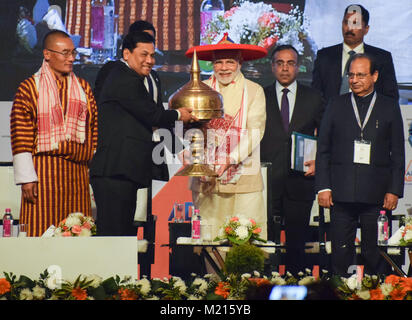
column 226, row 80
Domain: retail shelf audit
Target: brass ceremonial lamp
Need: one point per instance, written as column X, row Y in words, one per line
column 206, row 104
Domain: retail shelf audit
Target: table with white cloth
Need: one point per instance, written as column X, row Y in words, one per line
column 71, row 256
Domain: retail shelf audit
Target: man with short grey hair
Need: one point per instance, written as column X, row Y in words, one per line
column 360, row 166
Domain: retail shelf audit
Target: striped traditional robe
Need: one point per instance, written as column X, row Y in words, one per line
column 63, row 185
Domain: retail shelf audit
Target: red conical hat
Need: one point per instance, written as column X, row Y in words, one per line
column 248, row 51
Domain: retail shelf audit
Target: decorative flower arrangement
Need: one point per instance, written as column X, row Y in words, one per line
column 93, row 287
column 239, row 230
column 76, row 225
column 406, row 232
column 373, row 288
column 208, row 287
column 258, row 24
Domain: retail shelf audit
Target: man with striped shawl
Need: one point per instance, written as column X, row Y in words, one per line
column 53, row 126
column 237, row 191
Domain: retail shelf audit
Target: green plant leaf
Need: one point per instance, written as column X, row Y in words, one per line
column 98, row 293
column 26, row 282
column 238, row 241
column 110, row 285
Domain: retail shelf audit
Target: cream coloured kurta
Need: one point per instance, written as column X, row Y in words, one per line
column 245, row 196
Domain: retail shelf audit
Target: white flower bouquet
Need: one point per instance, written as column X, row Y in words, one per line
column 406, row 232
column 258, row 24
column 76, row 225
column 239, row 230
column 393, row 287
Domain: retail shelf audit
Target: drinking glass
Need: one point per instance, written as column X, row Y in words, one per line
column 22, row 230
column 179, row 212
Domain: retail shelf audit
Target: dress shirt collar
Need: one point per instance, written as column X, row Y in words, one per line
column 292, row 88
column 358, row 49
column 125, row 62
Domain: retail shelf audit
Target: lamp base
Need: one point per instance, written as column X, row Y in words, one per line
column 196, row 170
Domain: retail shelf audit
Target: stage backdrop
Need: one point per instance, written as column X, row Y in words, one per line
column 178, row 28
column 176, row 21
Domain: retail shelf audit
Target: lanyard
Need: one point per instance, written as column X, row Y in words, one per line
column 355, row 109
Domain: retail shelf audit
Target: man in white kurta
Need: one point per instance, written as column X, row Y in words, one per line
column 238, row 189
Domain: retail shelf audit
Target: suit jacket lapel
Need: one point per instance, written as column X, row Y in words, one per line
column 274, row 107
column 158, row 87
column 297, row 109
column 336, row 68
column 367, row 48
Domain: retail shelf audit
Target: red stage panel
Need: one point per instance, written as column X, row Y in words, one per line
column 176, row 190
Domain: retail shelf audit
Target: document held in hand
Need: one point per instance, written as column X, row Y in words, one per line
column 303, row 149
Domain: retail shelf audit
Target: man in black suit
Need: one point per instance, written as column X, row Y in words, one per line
column 330, row 69
column 293, row 192
column 153, row 80
column 127, row 114
column 360, row 164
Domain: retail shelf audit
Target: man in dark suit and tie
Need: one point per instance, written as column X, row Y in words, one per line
column 127, row 114
column 360, row 165
column 151, row 82
column 290, row 106
column 330, row 69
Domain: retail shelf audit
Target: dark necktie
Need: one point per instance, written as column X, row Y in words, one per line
column 149, row 82
column 344, row 88
column 284, row 109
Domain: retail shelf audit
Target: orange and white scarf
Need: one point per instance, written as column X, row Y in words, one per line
column 232, row 130
column 53, row 126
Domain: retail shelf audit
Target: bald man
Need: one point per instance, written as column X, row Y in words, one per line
column 53, row 125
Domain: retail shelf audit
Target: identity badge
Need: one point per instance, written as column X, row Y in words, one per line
column 362, row 151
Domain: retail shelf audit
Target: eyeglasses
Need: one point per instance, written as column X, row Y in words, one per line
column 66, row 53
column 358, row 75
column 290, row 63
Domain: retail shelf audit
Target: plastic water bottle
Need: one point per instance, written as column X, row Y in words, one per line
column 109, row 25
column 103, row 31
column 209, row 9
column 7, row 223
column 196, row 222
column 383, row 228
